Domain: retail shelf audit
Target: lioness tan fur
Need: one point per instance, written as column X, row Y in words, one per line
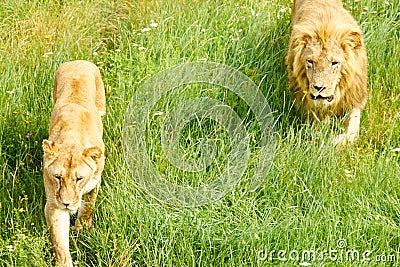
column 74, row 152
column 327, row 63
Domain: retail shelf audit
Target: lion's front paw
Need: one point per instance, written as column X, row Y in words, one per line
column 343, row 139
column 340, row 140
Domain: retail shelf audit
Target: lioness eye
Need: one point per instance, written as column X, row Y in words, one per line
column 58, row 177
column 79, row 179
column 309, row 63
column 334, row 63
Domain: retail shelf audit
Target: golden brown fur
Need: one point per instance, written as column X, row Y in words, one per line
column 327, row 63
column 74, row 152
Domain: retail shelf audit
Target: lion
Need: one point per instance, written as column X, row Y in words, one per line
column 74, row 152
column 327, row 64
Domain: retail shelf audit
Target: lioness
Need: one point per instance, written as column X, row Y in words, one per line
column 327, row 63
column 74, row 152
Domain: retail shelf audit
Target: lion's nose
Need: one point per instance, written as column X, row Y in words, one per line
column 319, row 88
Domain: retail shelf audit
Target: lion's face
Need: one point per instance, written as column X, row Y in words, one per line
column 69, row 173
column 323, row 67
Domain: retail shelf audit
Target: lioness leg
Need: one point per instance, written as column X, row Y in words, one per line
column 58, row 223
column 85, row 213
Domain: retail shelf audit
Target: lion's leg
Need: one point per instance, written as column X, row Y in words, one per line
column 58, row 223
column 85, row 213
column 352, row 125
column 352, row 128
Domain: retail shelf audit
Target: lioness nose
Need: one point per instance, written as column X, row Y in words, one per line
column 66, row 202
column 319, row 88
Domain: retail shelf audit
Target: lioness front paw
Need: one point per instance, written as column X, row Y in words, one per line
column 78, row 227
column 84, row 220
column 64, row 261
column 83, row 223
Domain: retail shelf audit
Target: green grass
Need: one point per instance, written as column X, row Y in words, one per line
column 314, row 195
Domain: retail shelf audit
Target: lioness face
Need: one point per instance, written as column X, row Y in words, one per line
column 70, row 174
column 323, row 68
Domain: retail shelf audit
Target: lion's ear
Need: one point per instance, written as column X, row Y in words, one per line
column 301, row 35
column 306, row 38
column 353, row 40
column 93, row 152
column 49, row 147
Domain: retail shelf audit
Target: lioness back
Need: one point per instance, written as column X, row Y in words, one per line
column 74, row 75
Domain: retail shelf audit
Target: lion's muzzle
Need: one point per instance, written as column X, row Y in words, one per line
column 329, row 99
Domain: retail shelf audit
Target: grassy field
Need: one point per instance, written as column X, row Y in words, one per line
column 341, row 204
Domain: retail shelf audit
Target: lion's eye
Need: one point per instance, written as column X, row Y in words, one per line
column 335, row 63
column 309, row 63
column 58, row 176
column 80, row 178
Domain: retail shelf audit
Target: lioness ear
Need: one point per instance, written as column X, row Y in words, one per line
column 49, row 147
column 93, row 152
